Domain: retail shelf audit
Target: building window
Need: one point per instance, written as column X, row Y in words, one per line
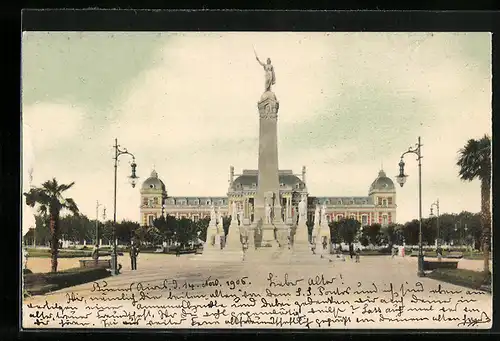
column 339, row 202
column 352, row 202
column 339, row 217
column 207, row 202
column 364, row 220
column 364, row 202
column 327, row 202
column 352, row 216
column 155, row 200
column 254, row 185
column 145, row 201
column 384, row 220
column 151, row 218
column 195, row 218
column 196, row 202
column 384, row 202
column 328, row 218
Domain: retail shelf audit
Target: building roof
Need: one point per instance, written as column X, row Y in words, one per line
column 344, row 200
column 153, row 182
column 382, row 183
column 250, row 177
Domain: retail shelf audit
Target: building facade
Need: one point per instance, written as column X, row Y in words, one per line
column 379, row 206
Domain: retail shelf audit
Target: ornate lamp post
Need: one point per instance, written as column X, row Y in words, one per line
column 97, row 222
column 436, row 204
column 401, row 179
column 133, row 180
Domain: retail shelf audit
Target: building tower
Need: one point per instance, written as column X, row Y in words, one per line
column 153, row 195
column 383, row 193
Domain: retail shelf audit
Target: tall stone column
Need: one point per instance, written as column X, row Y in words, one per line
column 268, row 179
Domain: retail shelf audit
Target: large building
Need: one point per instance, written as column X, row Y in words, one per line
column 379, row 206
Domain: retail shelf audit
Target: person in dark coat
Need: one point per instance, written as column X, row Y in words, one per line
column 95, row 253
column 134, row 252
column 351, row 250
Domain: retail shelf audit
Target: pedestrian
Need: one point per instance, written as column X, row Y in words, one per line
column 134, row 251
column 95, row 253
column 358, row 254
column 351, row 250
column 178, row 251
column 393, row 252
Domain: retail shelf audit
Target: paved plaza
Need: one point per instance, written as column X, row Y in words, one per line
column 282, row 286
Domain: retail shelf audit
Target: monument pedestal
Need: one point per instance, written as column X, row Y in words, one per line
column 233, row 249
column 323, row 234
column 301, row 248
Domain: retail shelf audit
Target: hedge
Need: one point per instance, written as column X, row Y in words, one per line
column 64, row 253
column 463, row 277
column 40, row 283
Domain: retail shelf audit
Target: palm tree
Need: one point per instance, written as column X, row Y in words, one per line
column 475, row 163
column 50, row 200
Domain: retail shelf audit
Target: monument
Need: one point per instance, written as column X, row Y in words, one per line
column 209, row 247
column 324, row 234
column 233, row 245
column 267, row 210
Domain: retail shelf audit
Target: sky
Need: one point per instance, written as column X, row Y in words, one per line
column 186, row 104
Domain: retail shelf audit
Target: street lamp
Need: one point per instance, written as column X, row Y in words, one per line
column 97, row 223
column 133, row 180
column 436, row 204
column 401, row 179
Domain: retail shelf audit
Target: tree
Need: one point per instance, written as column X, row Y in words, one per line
column 389, row 233
column 348, row 229
column 373, row 233
column 106, row 232
column 335, row 232
column 429, row 230
column 186, row 231
column 153, row 235
column 49, row 199
column 202, row 226
column 411, row 232
column 475, row 163
column 125, row 230
column 42, row 231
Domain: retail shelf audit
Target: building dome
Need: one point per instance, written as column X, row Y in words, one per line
column 382, row 183
column 153, row 182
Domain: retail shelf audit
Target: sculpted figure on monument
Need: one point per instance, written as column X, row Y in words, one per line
column 221, row 221
column 234, row 210
column 323, row 213
column 268, row 213
column 317, row 215
column 270, row 77
column 213, row 216
column 302, row 209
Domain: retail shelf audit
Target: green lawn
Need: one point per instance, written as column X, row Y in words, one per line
column 462, row 277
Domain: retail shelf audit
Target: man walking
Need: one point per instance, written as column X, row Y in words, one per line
column 351, row 250
column 134, row 251
column 358, row 254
